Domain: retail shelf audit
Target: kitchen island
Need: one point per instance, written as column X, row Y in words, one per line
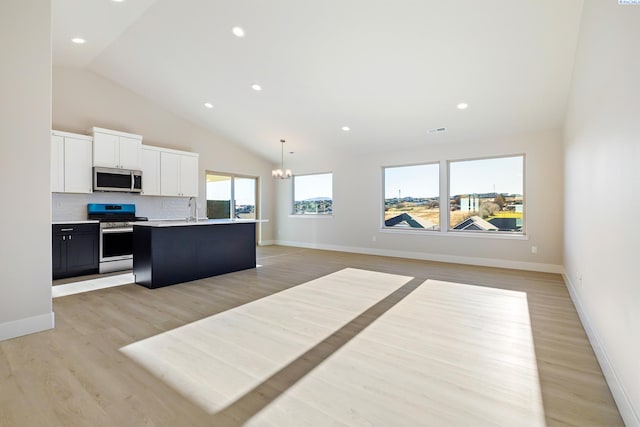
column 170, row 252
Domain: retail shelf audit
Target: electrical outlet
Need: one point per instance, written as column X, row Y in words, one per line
column 373, row 238
column 534, row 249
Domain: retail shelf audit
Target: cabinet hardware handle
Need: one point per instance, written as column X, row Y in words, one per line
column 69, row 236
column 66, row 229
column 64, row 237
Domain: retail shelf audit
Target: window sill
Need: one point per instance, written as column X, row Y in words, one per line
column 311, row 216
column 463, row 234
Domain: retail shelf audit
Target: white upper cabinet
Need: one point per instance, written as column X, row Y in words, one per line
column 165, row 172
column 179, row 173
column 78, row 177
column 130, row 152
column 71, row 160
column 170, row 174
column 57, row 164
column 115, row 149
column 150, row 167
column 189, row 175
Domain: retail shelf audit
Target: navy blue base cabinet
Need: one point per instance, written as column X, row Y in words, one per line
column 165, row 256
column 75, row 249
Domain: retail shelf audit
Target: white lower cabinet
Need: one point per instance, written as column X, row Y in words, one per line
column 167, row 172
column 71, row 163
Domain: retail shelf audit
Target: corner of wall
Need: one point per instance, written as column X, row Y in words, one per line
column 621, row 397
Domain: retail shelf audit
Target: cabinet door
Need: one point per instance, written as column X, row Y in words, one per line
column 129, row 153
column 189, row 176
column 150, row 166
column 170, row 174
column 105, row 150
column 57, row 164
column 77, row 166
column 82, row 253
column 59, row 255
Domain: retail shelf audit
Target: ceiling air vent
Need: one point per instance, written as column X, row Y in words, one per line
column 438, row 130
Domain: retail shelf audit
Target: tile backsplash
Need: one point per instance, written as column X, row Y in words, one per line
column 73, row 207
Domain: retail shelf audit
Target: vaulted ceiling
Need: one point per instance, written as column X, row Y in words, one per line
column 391, row 71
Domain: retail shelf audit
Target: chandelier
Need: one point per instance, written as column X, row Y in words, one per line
column 281, row 173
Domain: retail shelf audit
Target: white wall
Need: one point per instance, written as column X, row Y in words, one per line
column 82, row 99
column 357, row 183
column 602, row 203
column 25, row 111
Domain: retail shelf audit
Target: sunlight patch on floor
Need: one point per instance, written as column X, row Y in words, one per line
column 91, row 285
column 446, row 354
column 217, row 360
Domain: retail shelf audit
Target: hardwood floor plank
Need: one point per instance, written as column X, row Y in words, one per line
column 215, row 377
column 481, row 371
column 76, row 374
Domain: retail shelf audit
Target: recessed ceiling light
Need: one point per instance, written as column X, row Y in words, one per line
column 256, row 87
column 78, row 40
column 462, row 106
column 238, row 31
column 208, row 105
column 346, row 128
column 117, row 1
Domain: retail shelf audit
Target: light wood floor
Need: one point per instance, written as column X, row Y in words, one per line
column 93, row 368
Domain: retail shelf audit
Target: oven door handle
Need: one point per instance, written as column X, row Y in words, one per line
column 117, row 230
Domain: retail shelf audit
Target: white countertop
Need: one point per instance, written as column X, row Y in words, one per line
column 85, row 221
column 179, row 223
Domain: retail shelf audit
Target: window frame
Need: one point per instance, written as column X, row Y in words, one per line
column 506, row 234
column 292, row 201
column 233, row 177
column 383, row 199
column 445, row 214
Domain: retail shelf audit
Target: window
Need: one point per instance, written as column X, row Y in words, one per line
column 245, row 197
column 230, row 196
column 487, row 195
column 412, row 197
column 313, row 194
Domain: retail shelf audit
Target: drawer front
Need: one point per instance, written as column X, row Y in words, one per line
column 75, row 228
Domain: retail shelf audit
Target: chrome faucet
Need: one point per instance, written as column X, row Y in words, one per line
column 193, row 202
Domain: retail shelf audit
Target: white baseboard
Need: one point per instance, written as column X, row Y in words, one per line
column 484, row 262
column 30, row 325
column 625, row 406
column 266, row 242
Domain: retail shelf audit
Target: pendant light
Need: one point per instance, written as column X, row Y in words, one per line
column 281, row 173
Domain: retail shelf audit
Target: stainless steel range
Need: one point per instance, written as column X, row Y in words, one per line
column 116, row 234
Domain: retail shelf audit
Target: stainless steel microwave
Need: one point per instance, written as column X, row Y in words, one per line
column 112, row 179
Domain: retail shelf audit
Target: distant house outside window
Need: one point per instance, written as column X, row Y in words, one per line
column 313, row 194
column 487, row 195
column 412, row 197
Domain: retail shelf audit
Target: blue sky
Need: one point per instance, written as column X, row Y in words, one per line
column 411, row 181
column 244, row 191
column 310, row 186
column 502, row 175
column 471, row 176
